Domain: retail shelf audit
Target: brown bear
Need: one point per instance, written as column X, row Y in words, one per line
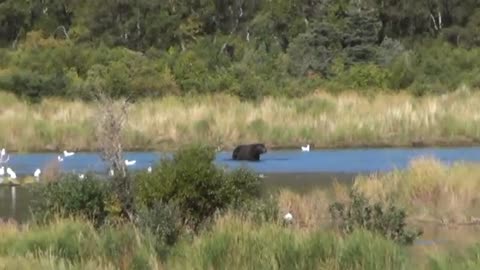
column 249, row 152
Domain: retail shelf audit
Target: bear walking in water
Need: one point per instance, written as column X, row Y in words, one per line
column 250, row 152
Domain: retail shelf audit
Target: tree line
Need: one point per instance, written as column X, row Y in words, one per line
column 246, row 47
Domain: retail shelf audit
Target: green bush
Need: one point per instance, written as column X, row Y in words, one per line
column 365, row 76
column 34, row 86
column 70, row 197
column 359, row 214
column 192, row 181
column 262, row 210
column 162, row 222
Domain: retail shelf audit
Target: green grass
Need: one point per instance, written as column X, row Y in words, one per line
column 68, row 243
column 234, row 244
column 327, row 121
column 231, row 244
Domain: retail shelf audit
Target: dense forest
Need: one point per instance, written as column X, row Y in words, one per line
column 250, row 48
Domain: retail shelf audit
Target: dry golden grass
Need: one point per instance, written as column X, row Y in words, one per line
column 51, row 172
column 324, row 120
column 311, row 210
column 429, row 190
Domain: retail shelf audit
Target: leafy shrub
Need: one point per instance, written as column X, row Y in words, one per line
column 263, row 210
column 364, row 76
column 241, row 185
column 192, row 181
column 70, row 196
column 402, row 71
column 162, row 221
column 359, row 214
column 32, row 85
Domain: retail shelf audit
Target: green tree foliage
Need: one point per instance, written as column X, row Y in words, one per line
column 250, row 48
column 72, row 197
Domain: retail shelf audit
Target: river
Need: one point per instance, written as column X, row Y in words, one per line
column 290, row 168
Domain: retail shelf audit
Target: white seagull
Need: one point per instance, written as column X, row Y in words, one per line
column 306, row 148
column 59, row 158
column 37, row 173
column 2, row 155
column 288, row 217
column 68, row 154
column 149, row 169
column 11, row 173
column 130, row 162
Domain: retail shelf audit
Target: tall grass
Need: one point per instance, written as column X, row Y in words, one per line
column 466, row 259
column 430, row 190
column 50, row 262
column 324, row 120
column 232, row 243
column 75, row 244
column 236, row 244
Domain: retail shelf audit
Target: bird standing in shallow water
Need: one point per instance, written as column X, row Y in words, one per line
column 130, row 162
column 68, row 154
column 306, row 148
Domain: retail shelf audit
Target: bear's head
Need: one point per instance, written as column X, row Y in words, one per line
column 260, row 148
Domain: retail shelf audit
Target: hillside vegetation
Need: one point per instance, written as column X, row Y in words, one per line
column 248, row 48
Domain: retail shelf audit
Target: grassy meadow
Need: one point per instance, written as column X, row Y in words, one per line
column 324, row 120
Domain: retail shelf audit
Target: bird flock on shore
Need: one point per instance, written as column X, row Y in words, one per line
column 11, row 175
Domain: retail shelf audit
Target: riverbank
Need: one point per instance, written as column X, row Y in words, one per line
column 441, row 200
column 325, row 121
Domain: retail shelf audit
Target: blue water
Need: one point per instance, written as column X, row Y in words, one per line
column 291, row 161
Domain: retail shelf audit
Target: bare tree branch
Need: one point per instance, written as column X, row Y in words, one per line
column 111, row 119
